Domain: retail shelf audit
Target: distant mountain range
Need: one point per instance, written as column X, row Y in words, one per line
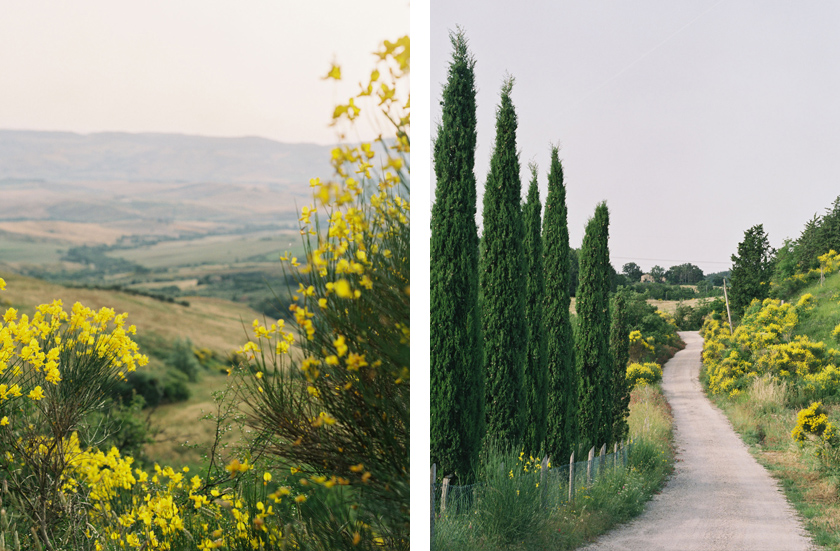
column 170, row 158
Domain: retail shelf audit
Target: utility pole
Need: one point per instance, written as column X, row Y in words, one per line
column 728, row 314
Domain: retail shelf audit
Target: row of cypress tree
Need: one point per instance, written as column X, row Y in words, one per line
column 505, row 361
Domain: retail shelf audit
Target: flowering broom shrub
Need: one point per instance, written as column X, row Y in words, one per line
column 765, row 343
column 55, row 369
column 814, row 428
column 338, row 416
column 643, row 374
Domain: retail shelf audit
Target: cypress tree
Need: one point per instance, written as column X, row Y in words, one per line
column 457, row 379
column 562, row 429
column 620, row 355
column 535, row 377
column 592, row 343
column 502, row 283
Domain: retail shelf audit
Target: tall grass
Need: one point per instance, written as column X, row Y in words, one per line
column 512, row 507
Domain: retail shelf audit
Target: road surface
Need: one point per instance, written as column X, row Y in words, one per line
column 719, row 497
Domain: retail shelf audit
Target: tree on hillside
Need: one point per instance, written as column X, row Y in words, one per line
column 457, row 376
column 535, row 376
column 820, row 235
column 620, row 355
column 808, row 246
column 785, row 265
column 561, row 435
column 502, row 282
column 752, row 269
column 592, row 343
column 632, row 271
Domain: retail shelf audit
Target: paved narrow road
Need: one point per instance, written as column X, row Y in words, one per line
column 719, row 497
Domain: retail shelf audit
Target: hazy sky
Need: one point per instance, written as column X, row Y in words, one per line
column 694, row 120
column 214, row 68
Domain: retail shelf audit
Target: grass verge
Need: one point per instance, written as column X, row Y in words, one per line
column 764, row 418
column 508, row 510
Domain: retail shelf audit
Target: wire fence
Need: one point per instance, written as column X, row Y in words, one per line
column 554, row 485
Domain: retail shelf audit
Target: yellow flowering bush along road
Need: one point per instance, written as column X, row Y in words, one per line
column 339, row 418
column 765, row 343
column 643, row 374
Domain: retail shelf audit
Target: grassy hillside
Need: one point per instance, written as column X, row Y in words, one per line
column 765, row 412
column 210, row 323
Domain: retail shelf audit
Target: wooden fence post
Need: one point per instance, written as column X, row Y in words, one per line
column 589, row 462
column 444, row 491
column 624, row 454
column 615, row 455
column 602, row 459
column 543, row 475
column 572, row 478
column 433, row 474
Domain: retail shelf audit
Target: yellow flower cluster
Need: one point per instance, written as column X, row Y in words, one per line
column 134, row 509
column 813, row 421
column 34, row 353
column 765, row 343
column 643, row 374
column 349, row 257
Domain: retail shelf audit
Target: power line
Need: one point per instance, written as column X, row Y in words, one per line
column 670, row 260
column 641, row 57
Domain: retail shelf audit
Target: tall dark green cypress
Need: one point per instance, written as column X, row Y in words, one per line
column 562, row 427
column 620, row 355
column 502, row 281
column 457, row 377
column 535, row 377
column 592, row 343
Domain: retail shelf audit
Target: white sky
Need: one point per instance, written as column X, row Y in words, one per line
column 693, row 119
column 246, row 68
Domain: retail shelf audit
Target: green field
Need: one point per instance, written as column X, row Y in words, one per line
column 215, row 249
column 20, row 249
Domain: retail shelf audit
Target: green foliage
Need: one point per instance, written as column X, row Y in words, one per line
column 535, row 377
column 658, row 273
column 690, row 318
column 509, row 507
column 122, row 426
column 657, row 327
column 662, row 291
column 786, row 264
column 684, row 274
column 457, row 377
column 632, row 271
column 574, row 269
column 561, row 434
column 502, row 281
column 752, row 269
column 592, row 339
column 821, row 234
column 183, row 359
column 716, row 279
column 512, row 507
column 620, row 354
